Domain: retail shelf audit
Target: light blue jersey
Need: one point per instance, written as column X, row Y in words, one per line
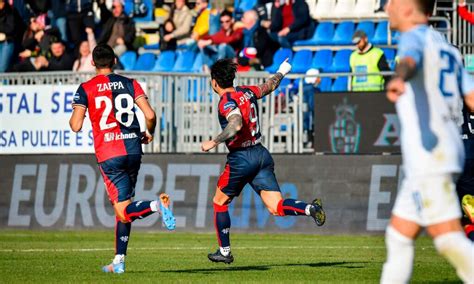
column 430, row 111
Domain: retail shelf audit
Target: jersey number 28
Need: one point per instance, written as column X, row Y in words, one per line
column 128, row 109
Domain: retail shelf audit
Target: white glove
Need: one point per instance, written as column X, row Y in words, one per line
column 284, row 68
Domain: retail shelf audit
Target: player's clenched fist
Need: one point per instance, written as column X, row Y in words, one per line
column 146, row 138
column 395, row 88
column 208, row 145
column 284, row 68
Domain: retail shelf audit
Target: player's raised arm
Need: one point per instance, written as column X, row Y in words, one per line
column 273, row 82
column 150, row 118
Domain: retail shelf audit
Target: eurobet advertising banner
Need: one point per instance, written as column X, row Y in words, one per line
column 35, row 119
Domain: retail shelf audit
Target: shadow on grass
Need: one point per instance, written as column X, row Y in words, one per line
column 340, row 264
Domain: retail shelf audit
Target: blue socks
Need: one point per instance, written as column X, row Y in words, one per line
column 122, row 233
column 222, row 225
column 140, row 209
column 292, row 207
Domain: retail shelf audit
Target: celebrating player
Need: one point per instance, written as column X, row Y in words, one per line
column 110, row 100
column 427, row 89
column 248, row 161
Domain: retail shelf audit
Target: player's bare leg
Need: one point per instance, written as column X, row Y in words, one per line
column 222, row 224
column 278, row 206
column 125, row 213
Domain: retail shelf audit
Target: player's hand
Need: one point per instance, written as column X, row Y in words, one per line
column 395, row 88
column 146, row 138
column 208, row 145
column 284, row 68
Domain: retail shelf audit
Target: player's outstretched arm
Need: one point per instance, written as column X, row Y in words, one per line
column 234, row 126
column 406, row 70
column 77, row 118
column 150, row 119
column 273, row 82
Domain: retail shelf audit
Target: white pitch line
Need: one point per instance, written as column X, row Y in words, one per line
column 197, row 248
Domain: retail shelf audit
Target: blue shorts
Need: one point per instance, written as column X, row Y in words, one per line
column 120, row 176
column 253, row 165
column 465, row 183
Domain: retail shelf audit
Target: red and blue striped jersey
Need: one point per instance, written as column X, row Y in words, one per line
column 243, row 100
column 110, row 100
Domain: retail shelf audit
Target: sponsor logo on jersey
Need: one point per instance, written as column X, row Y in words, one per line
column 345, row 131
column 229, row 105
column 110, row 86
column 108, row 137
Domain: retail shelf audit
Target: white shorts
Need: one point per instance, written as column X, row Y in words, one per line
column 427, row 200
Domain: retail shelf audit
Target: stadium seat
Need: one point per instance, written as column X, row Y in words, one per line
column 340, row 63
column 322, row 60
column 381, row 33
column 325, row 84
column 343, row 34
column 278, row 58
column 145, row 62
column 395, row 37
column 184, row 61
column 301, row 61
column 322, row 35
column 148, row 17
column 368, row 27
column 197, row 64
column 365, row 8
column 152, row 46
column 165, row 62
column 128, row 60
column 344, row 8
column 340, row 84
column 324, row 8
column 390, row 54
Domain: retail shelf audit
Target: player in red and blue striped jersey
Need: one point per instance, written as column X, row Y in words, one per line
column 248, row 161
column 110, row 101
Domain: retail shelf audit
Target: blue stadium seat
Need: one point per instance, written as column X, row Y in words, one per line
column 165, row 61
column 152, row 46
column 368, row 27
column 390, row 54
column 301, row 61
column 343, row 34
column 278, row 58
column 322, row 60
column 128, row 60
column 184, row 61
column 340, row 62
column 197, row 64
column 145, row 62
column 322, row 35
column 395, row 37
column 340, row 84
column 325, row 84
column 149, row 12
column 381, row 33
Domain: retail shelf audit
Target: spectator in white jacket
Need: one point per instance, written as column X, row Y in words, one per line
column 84, row 62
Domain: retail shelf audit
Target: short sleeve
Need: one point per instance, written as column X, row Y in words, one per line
column 411, row 45
column 80, row 98
column 227, row 107
column 138, row 91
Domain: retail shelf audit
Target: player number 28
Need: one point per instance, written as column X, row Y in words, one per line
column 126, row 120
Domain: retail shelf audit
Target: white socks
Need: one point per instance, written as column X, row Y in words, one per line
column 400, row 254
column 459, row 251
column 154, row 205
column 224, row 250
column 118, row 258
column 306, row 210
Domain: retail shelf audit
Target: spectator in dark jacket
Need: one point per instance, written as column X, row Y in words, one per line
column 119, row 30
column 59, row 59
column 223, row 44
column 79, row 17
column 39, row 6
column 7, row 35
column 290, row 21
column 58, row 15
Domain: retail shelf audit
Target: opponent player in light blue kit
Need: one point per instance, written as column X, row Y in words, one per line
column 429, row 84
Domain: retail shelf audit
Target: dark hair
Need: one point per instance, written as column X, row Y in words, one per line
column 223, row 71
column 226, row 13
column 103, row 56
column 426, row 6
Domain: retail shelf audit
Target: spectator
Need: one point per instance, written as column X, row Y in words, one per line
column 119, row 30
column 290, row 21
column 58, row 15
column 201, row 25
column 59, row 59
column 79, row 17
column 7, row 35
column 256, row 36
column 39, row 6
column 166, row 29
column 223, row 44
column 367, row 59
column 464, row 12
column 84, row 62
column 182, row 19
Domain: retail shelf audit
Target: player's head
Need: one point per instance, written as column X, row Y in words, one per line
column 223, row 74
column 103, row 56
column 404, row 14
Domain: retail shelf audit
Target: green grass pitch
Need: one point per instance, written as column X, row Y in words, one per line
column 160, row 257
